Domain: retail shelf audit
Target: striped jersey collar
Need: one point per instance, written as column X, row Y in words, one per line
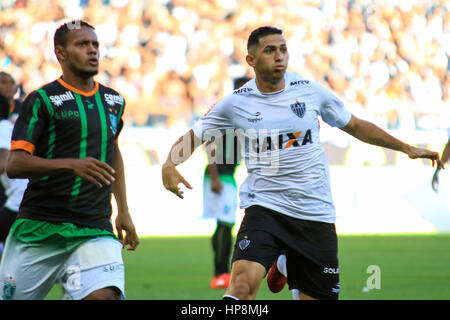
column 83, row 93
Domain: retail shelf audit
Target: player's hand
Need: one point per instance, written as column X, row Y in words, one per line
column 172, row 178
column 95, row 171
column 216, row 185
column 125, row 223
column 415, row 153
column 435, row 181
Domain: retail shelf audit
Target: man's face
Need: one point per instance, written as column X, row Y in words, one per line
column 8, row 87
column 270, row 58
column 81, row 52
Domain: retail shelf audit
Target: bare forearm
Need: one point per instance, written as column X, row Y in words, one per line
column 21, row 164
column 444, row 158
column 3, row 158
column 183, row 148
column 180, row 152
column 372, row 134
column 446, row 153
column 211, row 169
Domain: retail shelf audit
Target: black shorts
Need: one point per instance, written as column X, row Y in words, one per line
column 310, row 248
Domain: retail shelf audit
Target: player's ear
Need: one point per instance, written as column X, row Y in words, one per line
column 250, row 60
column 60, row 53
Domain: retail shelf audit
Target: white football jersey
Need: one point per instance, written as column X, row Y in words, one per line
column 14, row 188
column 287, row 166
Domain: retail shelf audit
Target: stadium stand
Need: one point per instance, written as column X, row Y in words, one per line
column 172, row 59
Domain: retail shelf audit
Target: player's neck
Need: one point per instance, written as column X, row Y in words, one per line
column 83, row 84
column 269, row 86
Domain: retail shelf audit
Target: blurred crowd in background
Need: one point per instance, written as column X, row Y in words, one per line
column 172, row 59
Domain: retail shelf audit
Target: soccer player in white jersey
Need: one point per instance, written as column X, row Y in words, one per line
column 444, row 159
column 286, row 196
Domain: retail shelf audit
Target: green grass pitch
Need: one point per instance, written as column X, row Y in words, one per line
column 412, row 267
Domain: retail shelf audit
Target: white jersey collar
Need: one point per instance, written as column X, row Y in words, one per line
column 255, row 87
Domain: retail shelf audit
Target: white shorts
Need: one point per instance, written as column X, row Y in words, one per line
column 221, row 206
column 29, row 271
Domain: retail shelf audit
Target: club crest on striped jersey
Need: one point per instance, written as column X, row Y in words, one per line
column 58, row 100
column 298, row 108
column 113, row 119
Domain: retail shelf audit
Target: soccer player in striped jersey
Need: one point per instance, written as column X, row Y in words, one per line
column 65, row 143
column 286, row 196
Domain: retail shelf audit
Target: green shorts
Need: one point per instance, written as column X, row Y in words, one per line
column 40, row 254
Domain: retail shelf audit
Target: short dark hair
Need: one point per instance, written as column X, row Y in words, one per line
column 60, row 38
column 261, row 32
column 4, row 108
column 3, row 73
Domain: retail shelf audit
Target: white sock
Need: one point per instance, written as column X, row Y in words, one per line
column 295, row 294
column 229, row 296
column 281, row 265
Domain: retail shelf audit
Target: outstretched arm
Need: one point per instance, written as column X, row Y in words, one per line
column 181, row 150
column 372, row 134
column 444, row 159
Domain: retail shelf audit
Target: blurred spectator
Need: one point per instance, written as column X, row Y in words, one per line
column 172, row 59
column 8, row 89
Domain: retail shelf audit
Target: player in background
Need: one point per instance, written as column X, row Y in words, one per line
column 220, row 200
column 286, row 196
column 14, row 188
column 65, row 143
column 8, row 88
column 2, row 189
column 444, row 158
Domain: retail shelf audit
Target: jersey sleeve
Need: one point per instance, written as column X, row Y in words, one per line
column 30, row 124
column 332, row 109
column 220, row 116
